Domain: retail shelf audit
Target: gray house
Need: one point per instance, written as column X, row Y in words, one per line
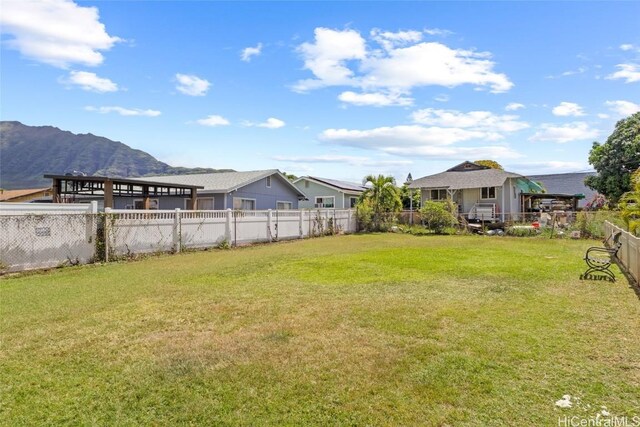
column 567, row 183
column 479, row 191
column 328, row 193
column 252, row 190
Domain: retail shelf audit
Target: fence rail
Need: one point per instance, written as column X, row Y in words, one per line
column 46, row 235
column 629, row 253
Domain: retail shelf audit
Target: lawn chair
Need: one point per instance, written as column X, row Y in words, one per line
column 600, row 259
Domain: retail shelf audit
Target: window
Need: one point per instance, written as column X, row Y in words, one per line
column 203, row 204
column 244, row 204
column 352, row 202
column 325, row 202
column 438, row 194
column 284, row 205
column 488, row 193
column 268, row 182
column 306, row 184
column 139, row 204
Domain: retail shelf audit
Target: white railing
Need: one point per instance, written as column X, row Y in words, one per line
column 483, row 211
column 629, row 253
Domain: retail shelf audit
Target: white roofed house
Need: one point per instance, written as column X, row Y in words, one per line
column 328, row 193
column 480, row 192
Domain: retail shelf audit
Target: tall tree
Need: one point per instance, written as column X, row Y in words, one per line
column 616, row 159
column 489, row 163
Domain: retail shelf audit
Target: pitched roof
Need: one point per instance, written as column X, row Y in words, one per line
column 566, row 183
column 455, row 179
column 221, row 182
column 6, row 195
column 340, row 185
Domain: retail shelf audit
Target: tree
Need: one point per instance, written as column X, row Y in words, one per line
column 407, row 194
column 489, row 163
column 291, row 177
column 630, row 205
column 382, row 198
column 616, row 159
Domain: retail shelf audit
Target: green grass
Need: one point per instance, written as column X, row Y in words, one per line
column 354, row 330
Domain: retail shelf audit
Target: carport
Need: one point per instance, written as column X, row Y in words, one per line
column 67, row 187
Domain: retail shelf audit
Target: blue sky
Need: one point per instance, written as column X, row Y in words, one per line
column 334, row 89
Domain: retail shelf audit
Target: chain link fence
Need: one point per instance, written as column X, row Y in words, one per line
column 46, row 240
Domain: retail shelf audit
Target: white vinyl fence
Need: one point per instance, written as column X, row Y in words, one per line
column 629, row 253
column 140, row 231
column 49, row 235
column 46, row 235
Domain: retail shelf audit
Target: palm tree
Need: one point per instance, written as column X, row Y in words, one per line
column 382, row 195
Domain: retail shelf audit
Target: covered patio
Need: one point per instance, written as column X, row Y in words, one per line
column 71, row 188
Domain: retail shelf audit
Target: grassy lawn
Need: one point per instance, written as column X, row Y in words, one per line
column 353, row 330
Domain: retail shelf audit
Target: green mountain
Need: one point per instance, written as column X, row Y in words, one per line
column 28, row 152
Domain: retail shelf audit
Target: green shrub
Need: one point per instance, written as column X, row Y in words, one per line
column 438, row 216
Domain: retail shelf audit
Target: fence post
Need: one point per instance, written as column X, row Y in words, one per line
column 300, row 218
column 177, row 231
column 269, row 225
column 227, row 227
column 349, row 221
column 107, row 231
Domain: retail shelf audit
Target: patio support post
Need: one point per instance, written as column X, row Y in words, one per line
column 108, row 194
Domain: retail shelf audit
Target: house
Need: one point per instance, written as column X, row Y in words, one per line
column 567, row 183
column 25, row 195
column 252, row 190
column 480, row 192
column 328, row 193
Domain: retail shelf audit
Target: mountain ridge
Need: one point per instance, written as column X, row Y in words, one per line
column 29, row 152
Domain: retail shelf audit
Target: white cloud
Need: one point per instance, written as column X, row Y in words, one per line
column 629, row 72
column 565, row 109
column 403, row 135
column 629, row 47
column 213, row 121
column 513, row 106
column 189, row 84
column 326, row 58
column 623, row 108
column 477, row 120
column 553, row 166
column 248, row 52
column 124, row 111
column 90, row 82
column 579, row 70
column 441, row 98
column 335, row 158
column 56, row 32
column 575, row 131
column 375, row 99
column 390, row 40
column 270, row 123
column 603, row 116
column 341, row 58
column 437, row 32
